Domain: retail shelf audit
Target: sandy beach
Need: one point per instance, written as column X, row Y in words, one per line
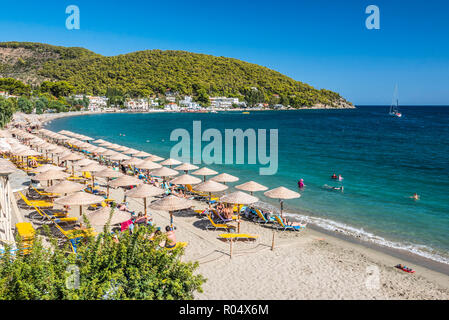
column 304, row 265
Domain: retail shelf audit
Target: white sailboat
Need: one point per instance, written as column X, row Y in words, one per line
column 394, row 108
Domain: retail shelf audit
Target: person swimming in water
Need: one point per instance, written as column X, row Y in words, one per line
column 415, row 196
column 301, row 184
column 334, row 176
column 340, row 178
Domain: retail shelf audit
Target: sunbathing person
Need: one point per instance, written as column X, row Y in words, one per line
column 171, row 238
column 293, row 224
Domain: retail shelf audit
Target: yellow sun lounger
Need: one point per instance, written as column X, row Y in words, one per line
column 178, row 245
column 36, row 203
column 216, row 226
column 56, row 218
column 238, row 236
column 43, row 193
column 26, row 233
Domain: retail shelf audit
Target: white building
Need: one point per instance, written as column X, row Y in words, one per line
column 188, row 103
column 137, row 104
column 171, row 107
column 170, row 99
column 223, row 102
column 97, row 103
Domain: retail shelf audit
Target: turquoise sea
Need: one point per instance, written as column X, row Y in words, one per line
column 383, row 160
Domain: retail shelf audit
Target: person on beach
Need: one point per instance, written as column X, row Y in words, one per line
column 293, row 224
column 171, row 237
column 301, row 184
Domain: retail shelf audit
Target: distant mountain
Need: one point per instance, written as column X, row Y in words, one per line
column 151, row 72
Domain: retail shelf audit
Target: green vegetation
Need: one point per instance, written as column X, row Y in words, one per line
column 6, row 111
column 153, row 72
column 133, row 267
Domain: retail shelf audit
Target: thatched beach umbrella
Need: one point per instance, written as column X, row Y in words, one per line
column 101, row 216
column 93, row 168
column 251, row 187
column 170, row 204
column 131, row 151
column 109, row 173
column 50, row 175
column 99, row 141
column 184, row 180
column 224, row 177
column 148, row 165
column 144, row 191
column 204, row 172
column 164, row 172
column 170, row 162
column 121, row 148
column 154, row 158
column 47, row 167
column 65, row 187
column 72, row 157
column 210, row 186
column 79, row 199
column 142, row 154
column 186, row 167
column 239, row 198
column 125, row 181
column 282, row 194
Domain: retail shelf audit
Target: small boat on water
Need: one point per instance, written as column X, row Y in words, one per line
column 394, row 108
column 246, row 112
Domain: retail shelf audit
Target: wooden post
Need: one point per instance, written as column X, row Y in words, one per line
column 145, row 206
column 81, row 211
column 230, row 249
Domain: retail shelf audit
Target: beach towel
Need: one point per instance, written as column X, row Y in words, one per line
column 125, row 225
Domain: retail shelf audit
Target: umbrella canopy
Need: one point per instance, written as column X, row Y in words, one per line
column 105, row 144
column 171, row 203
column 125, row 181
column 84, row 162
column 170, row 162
column 204, row 172
column 108, row 153
column 27, row 153
column 79, row 199
column 51, row 174
column 282, row 193
column 239, row 197
column 99, row 141
column 132, row 161
column 148, row 165
column 121, row 148
column 47, row 167
column 164, row 172
column 131, row 151
column 186, row 167
column 65, row 187
column 210, row 186
column 93, row 167
column 73, row 157
column 119, row 157
column 109, row 173
column 142, row 154
column 251, row 186
column 154, row 158
column 144, row 191
column 101, row 216
column 186, row 179
column 224, row 177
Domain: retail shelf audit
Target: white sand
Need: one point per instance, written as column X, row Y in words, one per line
column 303, row 265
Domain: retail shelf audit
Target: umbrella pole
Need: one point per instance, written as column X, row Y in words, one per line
column 238, row 231
column 81, row 211
column 145, row 206
column 272, row 242
column 282, row 207
column 171, row 219
column 210, row 198
column 107, row 188
column 230, row 249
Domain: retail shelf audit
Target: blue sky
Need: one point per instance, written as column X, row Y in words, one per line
column 321, row 42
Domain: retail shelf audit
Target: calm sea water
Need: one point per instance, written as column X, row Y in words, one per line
column 383, row 160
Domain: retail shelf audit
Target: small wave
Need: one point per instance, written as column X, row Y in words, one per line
column 420, row 250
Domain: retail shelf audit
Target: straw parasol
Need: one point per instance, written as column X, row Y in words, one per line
column 186, row 167
column 154, row 158
column 224, row 177
column 251, row 187
column 47, row 167
column 132, row 161
column 281, row 193
column 72, row 157
column 50, row 175
column 170, row 204
column 108, row 173
column 119, row 157
column 184, row 180
column 92, row 168
column 164, row 172
column 210, row 186
column 84, row 162
column 125, row 181
column 65, row 187
column 131, row 151
column 99, row 141
column 101, row 216
column 142, row 154
column 204, row 172
column 108, row 153
column 144, row 191
column 79, row 199
column 148, row 165
column 121, row 148
column 170, row 162
column 239, row 198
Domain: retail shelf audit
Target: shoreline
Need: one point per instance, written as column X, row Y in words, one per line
column 401, row 254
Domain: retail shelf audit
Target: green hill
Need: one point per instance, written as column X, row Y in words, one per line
column 153, row 72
